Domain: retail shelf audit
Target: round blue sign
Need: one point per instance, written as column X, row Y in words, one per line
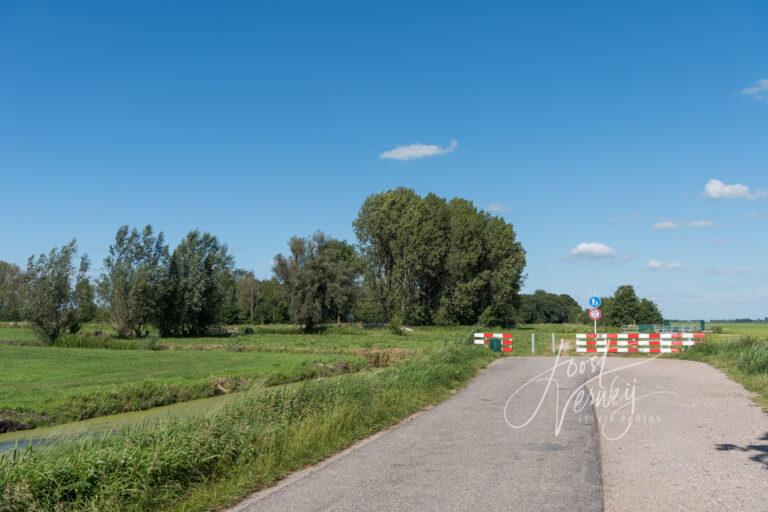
column 595, row 302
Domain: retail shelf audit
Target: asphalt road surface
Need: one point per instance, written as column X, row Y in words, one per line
column 525, row 437
column 698, row 442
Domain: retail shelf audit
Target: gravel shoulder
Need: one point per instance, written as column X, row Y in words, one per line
column 698, row 442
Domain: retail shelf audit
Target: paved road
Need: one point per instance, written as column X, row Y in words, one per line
column 699, row 443
column 696, row 443
column 461, row 456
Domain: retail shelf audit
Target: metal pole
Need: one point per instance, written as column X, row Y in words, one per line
column 595, row 326
column 533, row 342
column 553, row 343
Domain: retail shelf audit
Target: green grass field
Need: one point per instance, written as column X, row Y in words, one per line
column 59, row 384
column 349, row 339
column 208, row 462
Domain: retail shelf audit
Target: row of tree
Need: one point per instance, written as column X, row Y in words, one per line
column 419, row 260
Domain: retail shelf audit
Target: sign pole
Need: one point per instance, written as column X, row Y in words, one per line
column 595, row 313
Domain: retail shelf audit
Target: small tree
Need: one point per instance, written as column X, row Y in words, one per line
column 195, row 287
column 49, row 301
column 132, row 281
column 343, row 272
column 247, row 294
column 648, row 312
column 625, row 308
column 320, row 278
column 85, row 308
column 11, row 281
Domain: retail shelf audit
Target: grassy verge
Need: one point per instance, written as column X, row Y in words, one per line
column 204, row 463
column 45, row 386
column 744, row 360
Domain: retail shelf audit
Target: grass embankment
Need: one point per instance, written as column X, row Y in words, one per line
column 45, row 385
column 744, row 360
column 207, row 462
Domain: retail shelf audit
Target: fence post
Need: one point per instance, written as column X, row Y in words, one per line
column 533, row 343
column 553, row 343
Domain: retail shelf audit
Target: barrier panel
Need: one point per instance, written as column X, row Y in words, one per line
column 633, row 342
column 483, row 338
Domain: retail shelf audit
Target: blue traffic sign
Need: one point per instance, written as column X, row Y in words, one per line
column 595, row 302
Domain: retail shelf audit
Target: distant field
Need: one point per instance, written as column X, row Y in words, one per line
column 17, row 334
column 345, row 339
column 740, row 329
column 58, row 384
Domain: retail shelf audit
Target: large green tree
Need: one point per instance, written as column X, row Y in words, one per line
column 320, row 278
column 48, row 296
column 195, row 286
column 431, row 260
column 133, row 279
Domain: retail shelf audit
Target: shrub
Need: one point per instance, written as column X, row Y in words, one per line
column 396, row 325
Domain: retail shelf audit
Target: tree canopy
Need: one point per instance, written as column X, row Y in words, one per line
column 625, row 308
column 543, row 307
column 431, row 260
column 320, row 276
column 49, row 300
column 195, row 286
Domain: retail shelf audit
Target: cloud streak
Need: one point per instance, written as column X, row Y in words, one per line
column 663, row 225
column 664, row 266
column 414, row 151
column 758, row 92
column 716, row 189
column 731, row 271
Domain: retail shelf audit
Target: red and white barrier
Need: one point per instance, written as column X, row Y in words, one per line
column 483, row 338
column 652, row 343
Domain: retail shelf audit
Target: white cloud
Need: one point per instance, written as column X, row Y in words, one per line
column 664, row 265
column 753, row 215
column 758, row 92
column 716, row 189
column 720, row 242
column 498, row 208
column 700, row 224
column 412, row 151
column 665, row 224
column 593, row 250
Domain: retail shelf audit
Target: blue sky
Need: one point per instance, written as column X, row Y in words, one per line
column 582, row 123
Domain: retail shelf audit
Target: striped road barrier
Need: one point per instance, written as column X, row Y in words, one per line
column 483, row 338
column 651, row 343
